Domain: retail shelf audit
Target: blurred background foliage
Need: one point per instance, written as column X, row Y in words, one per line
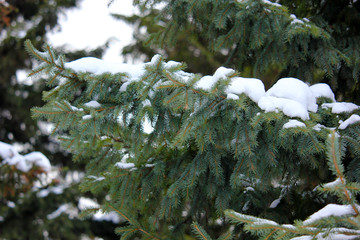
column 24, row 215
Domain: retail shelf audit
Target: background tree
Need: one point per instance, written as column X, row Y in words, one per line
column 28, row 216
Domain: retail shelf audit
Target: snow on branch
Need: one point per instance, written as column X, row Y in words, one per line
column 24, row 163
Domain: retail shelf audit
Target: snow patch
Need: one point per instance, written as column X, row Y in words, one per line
column 76, row 109
column 330, row 210
column 295, row 19
column 294, row 123
column 87, row 203
column 294, row 89
column 146, row 103
column 154, row 60
column 67, row 208
column 318, row 127
column 23, row 163
column 252, row 87
column 337, row 182
column 86, row 117
column 95, row 178
column 55, row 190
column 10, row 204
column 340, row 107
column 291, row 96
column 92, row 104
column 303, row 238
column 123, row 165
column 207, row 82
column 38, row 159
column 272, row 3
column 98, row 66
column 172, row 64
column 322, row 90
column 232, row 96
column 351, row 120
column 274, row 203
column 289, row 107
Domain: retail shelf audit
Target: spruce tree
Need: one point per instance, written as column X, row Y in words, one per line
column 217, row 142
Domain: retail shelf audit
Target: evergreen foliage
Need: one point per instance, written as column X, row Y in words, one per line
column 206, row 152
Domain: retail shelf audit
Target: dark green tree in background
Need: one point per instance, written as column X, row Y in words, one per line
column 20, row 20
column 210, row 149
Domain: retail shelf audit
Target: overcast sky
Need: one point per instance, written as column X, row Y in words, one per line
column 91, row 25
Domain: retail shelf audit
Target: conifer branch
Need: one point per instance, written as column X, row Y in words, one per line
column 138, row 228
column 32, row 51
column 200, row 232
column 339, row 172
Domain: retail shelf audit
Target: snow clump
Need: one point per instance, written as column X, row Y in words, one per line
column 208, row 82
column 92, row 104
column 252, row 87
column 351, row 120
column 322, row 90
column 292, row 123
column 330, row 210
column 98, row 66
column 340, row 107
column 23, row 162
column 290, row 95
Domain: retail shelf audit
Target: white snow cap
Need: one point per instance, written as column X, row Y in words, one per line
column 294, row 123
column 86, row 117
column 335, row 183
column 294, row 89
column 98, row 66
column 54, row 189
column 24, row 163
column 272, row 3
column 86, row 203
column 341, row 107
column 322, row 90
column 351, row 120
column 295, row 19
column 252, row 87
column 171, row 64
column 289, row 107
column 92, row 104
column 67, row 208
column 207, row 82
column 290, row 95
column 123, row 165
column 327, row 236
column 330, row 210
column 38, row 159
